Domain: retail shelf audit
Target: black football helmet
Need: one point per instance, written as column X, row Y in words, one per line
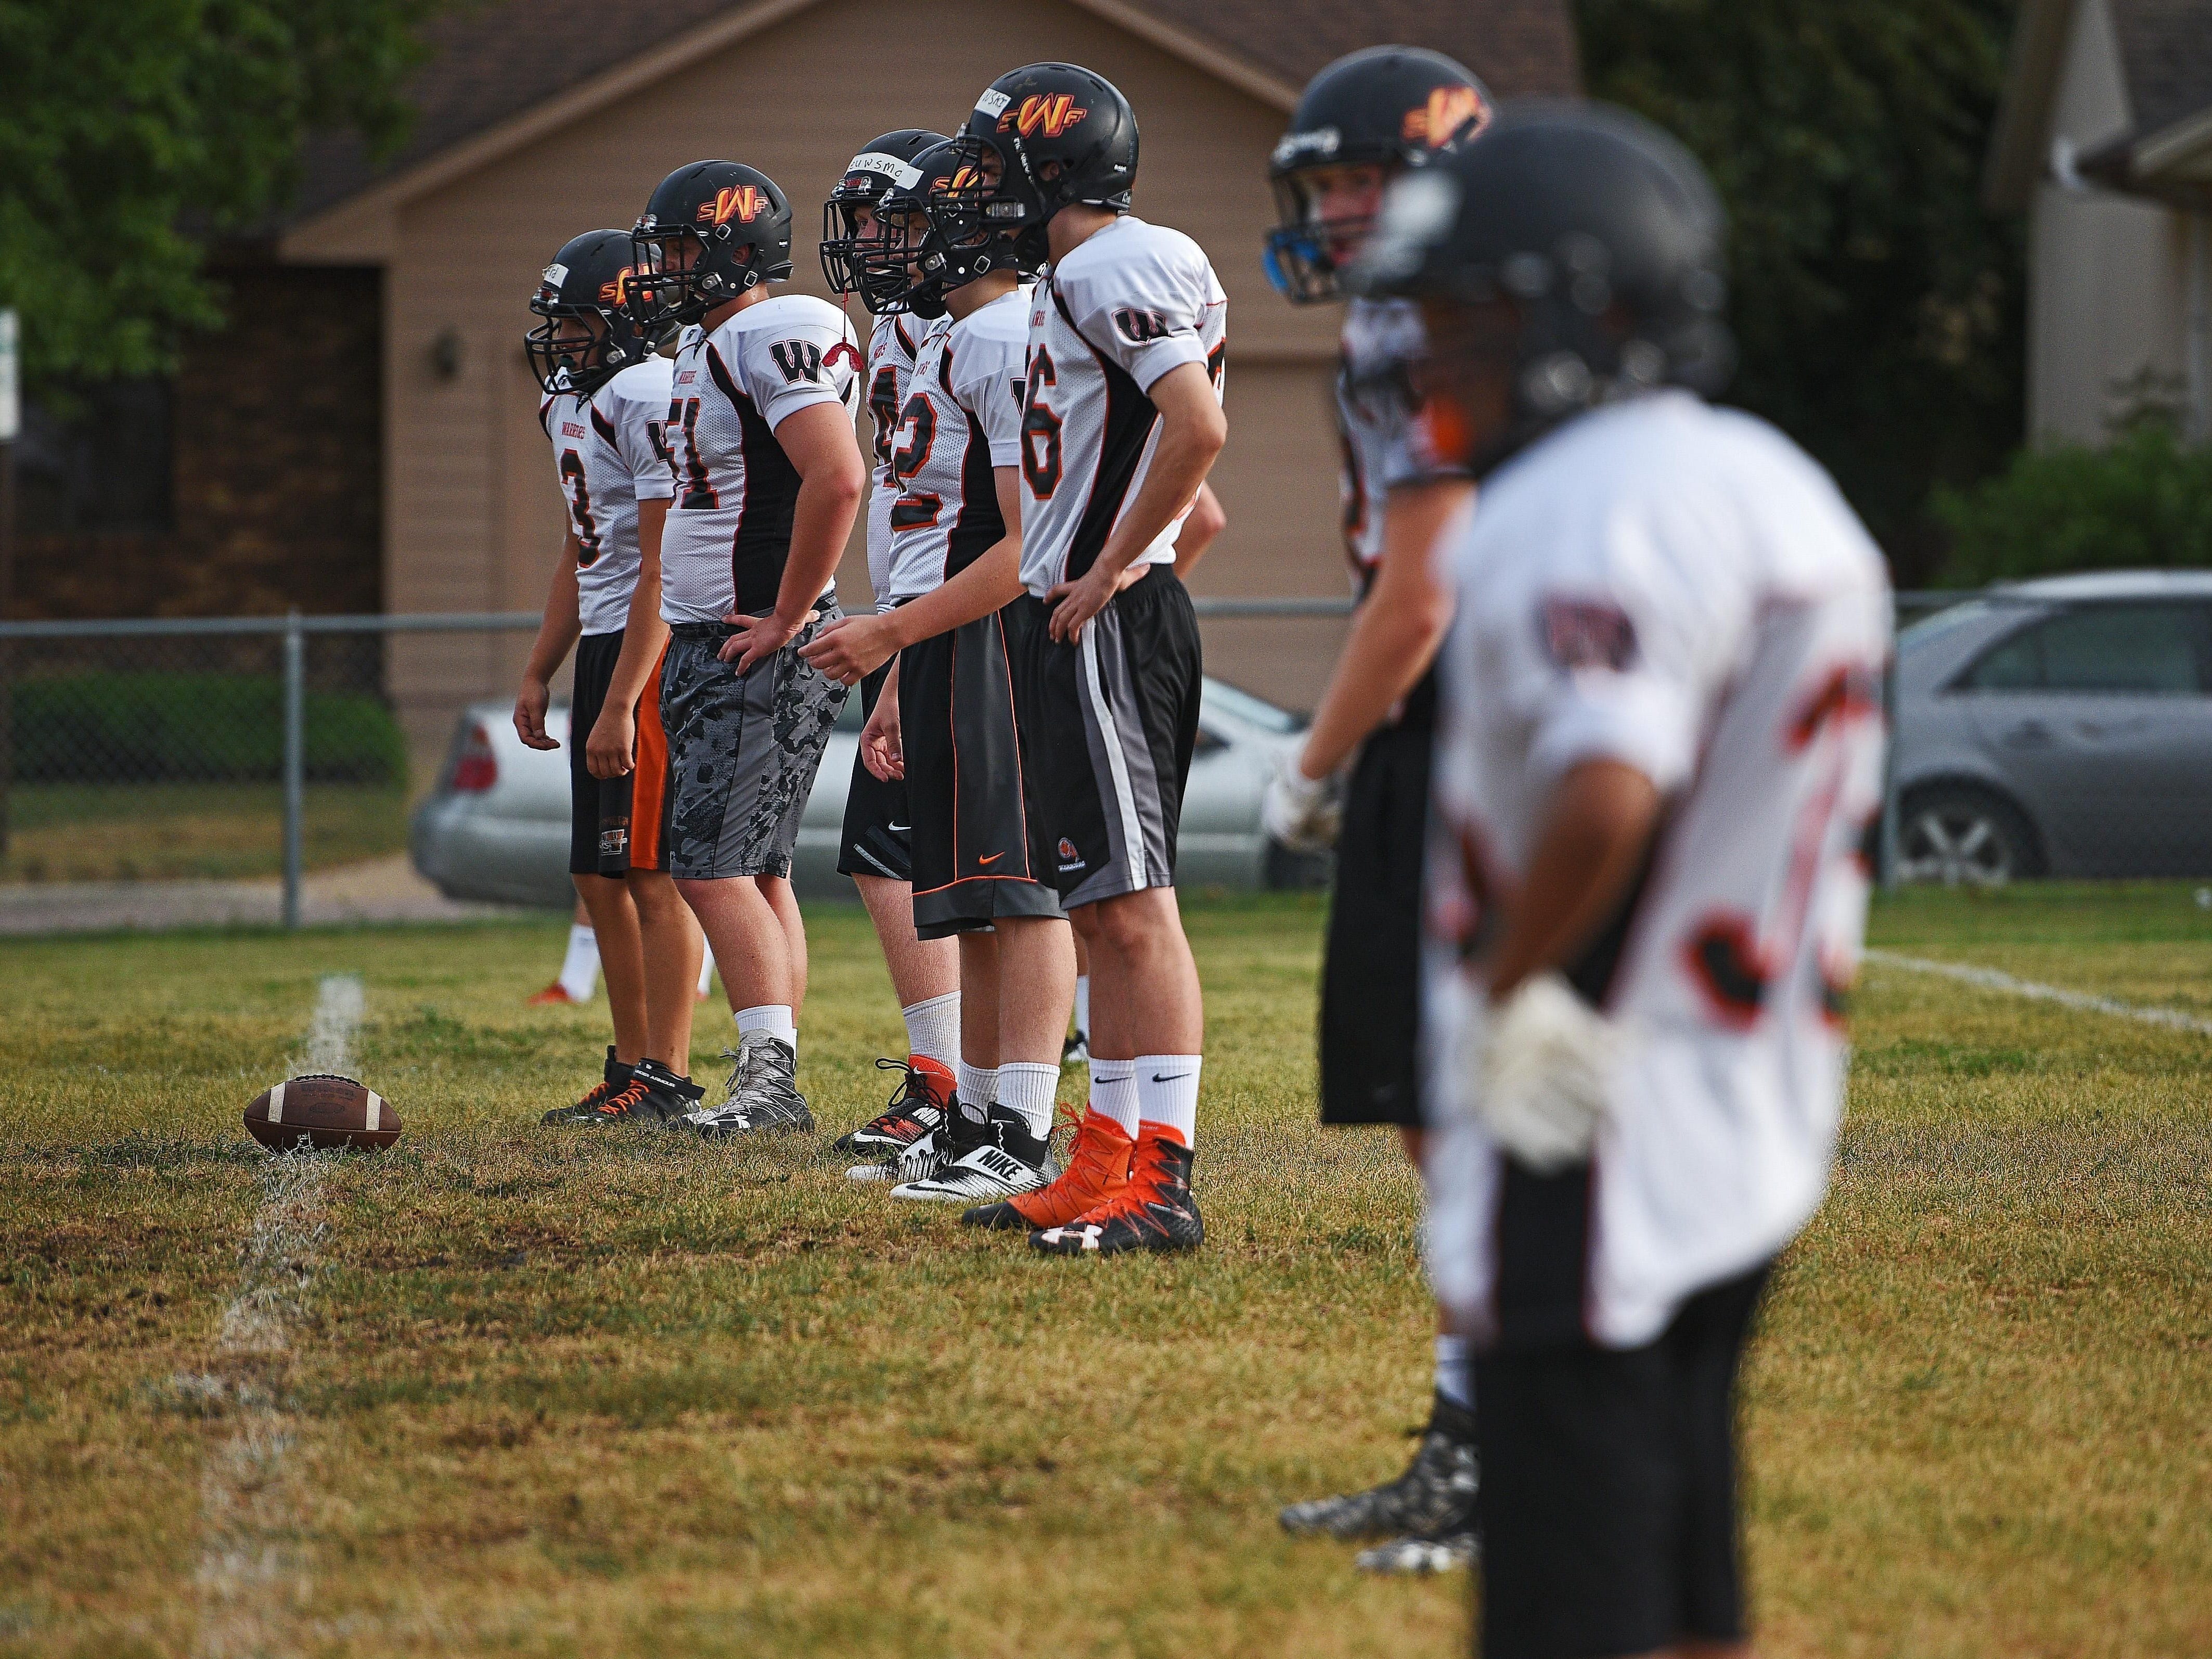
column 1394, row 108
column 913, row 265
column 587, row 284
column 1041, row 139
column 1602, row 231
column 710, row 231
column 867, row 176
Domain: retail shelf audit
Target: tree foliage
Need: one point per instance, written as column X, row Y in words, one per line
column 2143, row 502
column 1877, row 307
column 132, row 131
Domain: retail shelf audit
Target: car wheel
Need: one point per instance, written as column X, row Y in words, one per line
column 1964, row 837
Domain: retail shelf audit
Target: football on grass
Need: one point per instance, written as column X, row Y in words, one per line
column 322, row 1110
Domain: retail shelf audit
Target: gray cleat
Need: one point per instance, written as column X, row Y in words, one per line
column 762, row 1093
column 1436, row 1488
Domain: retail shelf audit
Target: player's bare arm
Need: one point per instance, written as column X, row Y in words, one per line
column 611, row 749
column 882, row 750
column 819, row 440
column 1397, row 630
column 1596, row 830
column 1193, row 431
column 854, row 647
column 556, row 635
column 1199, row 530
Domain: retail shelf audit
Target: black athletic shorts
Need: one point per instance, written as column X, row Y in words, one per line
column 980, row 849
column 1608, row 1496
column 615, row 824
column 1109, row 724
column 877, row 827
column 1371, row 986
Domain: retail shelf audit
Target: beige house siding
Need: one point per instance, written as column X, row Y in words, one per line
column 2108, row 274
column 473, row 519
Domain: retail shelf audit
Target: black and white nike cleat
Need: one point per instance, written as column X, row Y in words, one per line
column 1435, row 1493
column 916, row 1106
column 1004, row 1159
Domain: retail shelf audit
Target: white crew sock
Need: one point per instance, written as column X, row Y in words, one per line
column 933, row 1028
column 707, row 970
column 1167, row 1093
column 1114, row 1092
column 580, row 973
column 1083, row 1006
column 1454, row 1381
column 977, row 1086
column 1027, row 1087
column 772, row 1018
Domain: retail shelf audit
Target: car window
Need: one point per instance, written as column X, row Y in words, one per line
column 2145, row 650
column 1241, row 705
column 849, row 718
column 1208, row 744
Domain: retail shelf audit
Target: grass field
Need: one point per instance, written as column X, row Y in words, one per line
column 540, row 1394
column 178, row 832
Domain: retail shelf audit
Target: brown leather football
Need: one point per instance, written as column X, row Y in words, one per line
column 322, row 1109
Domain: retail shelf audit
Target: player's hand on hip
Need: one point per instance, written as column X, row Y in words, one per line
column 1076, row 603
column 850, row 649
column 1304, row 814
column 530, row 715
column 608, row 751
column 883, row 749
column 756, row 637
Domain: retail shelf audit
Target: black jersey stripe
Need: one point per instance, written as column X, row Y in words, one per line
column 605, row 428
column 761, row 545
column 1129, row 417
column 981, row 526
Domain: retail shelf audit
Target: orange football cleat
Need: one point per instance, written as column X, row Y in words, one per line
column 1097, row 1169
column 554, row 995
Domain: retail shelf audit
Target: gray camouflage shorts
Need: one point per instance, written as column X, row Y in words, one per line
column 742, row 752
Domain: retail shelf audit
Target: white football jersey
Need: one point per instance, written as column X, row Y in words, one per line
column 729, row 532
column 891, row 347
column 609, row 455
column 1678, row 588
column 1385, row 440
column 962, row 418
column 1134, row 301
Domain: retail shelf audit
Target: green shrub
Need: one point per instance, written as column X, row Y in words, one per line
column 162, row 728
column 2145, row 502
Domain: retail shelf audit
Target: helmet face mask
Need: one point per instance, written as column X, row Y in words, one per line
column 851, row 225
column 1041, row 139
column 1378, row 113
column 711, row 232
column 588, row 333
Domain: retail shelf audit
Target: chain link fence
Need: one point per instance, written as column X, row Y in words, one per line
column 2033, row 737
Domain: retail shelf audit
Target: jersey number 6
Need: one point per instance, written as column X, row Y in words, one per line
column 1040, row 460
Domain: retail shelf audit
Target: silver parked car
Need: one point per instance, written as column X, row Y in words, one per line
column 2059, row 727
column 496, row 826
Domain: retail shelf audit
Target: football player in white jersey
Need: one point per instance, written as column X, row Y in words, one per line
column 1365, row 120
column 1121, row 420
column 769, row 478
column 1659, row 749
column 982, row 865
column 876, row 848
column 606, row 396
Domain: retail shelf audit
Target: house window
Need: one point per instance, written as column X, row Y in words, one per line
column 104, row 466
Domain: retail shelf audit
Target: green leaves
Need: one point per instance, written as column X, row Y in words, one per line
column 132, row 133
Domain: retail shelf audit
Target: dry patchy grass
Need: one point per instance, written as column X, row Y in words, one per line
column 573, row 1395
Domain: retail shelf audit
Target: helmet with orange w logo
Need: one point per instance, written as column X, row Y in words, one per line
column 913, row 265
column 1390, row 109
column 711, row 231
column 1041, row 139
column 588, row 336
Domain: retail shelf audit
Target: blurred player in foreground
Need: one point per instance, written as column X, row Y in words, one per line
column 606, row 397
column 1659, row 747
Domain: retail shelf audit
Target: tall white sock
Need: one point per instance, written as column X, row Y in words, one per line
column 1454, row 1381
column 707, row 970
column 933, row 1028
column 1114, row 1092
column 579, row 972
column 1027, row 1087
column 1083, row 1006
column 1167, row 1093
column 977, row 1086
column 772, row 1018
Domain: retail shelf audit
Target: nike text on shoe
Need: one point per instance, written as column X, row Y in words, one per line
column 1097, row 1169
column 916, row 1107
column 1154, row 1211
column 1437, row 1490
column 616, row 1077
column 1006, row 1160
column 763, row 1096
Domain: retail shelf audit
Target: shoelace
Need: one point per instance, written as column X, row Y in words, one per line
column 1145, row 1166
column 902, row 1104
column 737, row 1060
column 622, row 1104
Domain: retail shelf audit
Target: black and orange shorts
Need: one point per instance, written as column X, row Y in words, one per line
column 616, row 824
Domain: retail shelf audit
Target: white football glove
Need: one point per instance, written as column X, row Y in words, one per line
column 1535, row 1071
column 1301, row 813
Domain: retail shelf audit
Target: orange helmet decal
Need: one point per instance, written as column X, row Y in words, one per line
column 745, row 202
column 1054, row 113
column 1438, row 121
column 617, row 292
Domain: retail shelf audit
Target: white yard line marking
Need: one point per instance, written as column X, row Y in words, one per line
column 1990, row 979
column 253, row 1580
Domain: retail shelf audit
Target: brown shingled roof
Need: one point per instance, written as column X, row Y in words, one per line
column 494, row 62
